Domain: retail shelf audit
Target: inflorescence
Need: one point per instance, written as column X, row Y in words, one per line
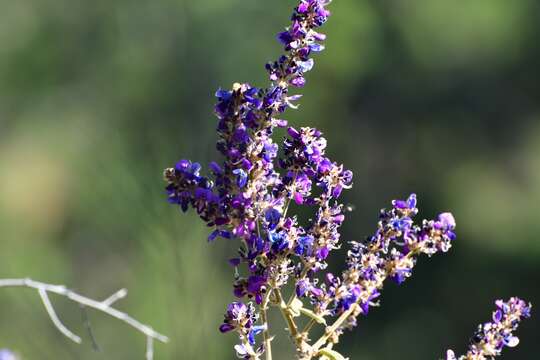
column 248, row 195
column 492, row 337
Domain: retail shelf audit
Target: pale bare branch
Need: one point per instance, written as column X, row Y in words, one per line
column 56, row 321
column 149, row 348
column 120, row 294
column 103, row 306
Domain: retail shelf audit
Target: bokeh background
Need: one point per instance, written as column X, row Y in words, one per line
column 441, row 98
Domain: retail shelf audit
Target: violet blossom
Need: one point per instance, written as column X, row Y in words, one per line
column 247, row 197
column 491, row 337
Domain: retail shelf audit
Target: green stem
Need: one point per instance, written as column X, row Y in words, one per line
column 286, row 208
column 309, row 325
column 293, row 329
column 302, row 275
column 330, row 330
column 266, row 334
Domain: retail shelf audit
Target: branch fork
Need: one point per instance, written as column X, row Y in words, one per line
column 104, row 306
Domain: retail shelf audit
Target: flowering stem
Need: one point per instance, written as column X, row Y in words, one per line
column 302, row 275
column 309, row 325
column 249, row 348
column 330, row 330
column 286, row 208
column 266, row 335
column 293, row 329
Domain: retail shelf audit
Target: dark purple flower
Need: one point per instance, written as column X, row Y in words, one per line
column 272, row 217
column 247, row 199
column 241, row 177
column 302, row 287
column 406, row 206
column 352, row 297
column 322, row 253
column 304, row 245
column 490, row 338
column 222, row 233
column 239, row 316
column 255, row 284
column 255, row 330
column 303, row 7
column 278, row 240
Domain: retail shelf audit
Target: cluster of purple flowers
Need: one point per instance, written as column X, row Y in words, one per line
column 492, row 337
column 242, row 318
column 248, row 196
column 390, row 253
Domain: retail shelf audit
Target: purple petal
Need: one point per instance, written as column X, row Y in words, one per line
column 226, row 328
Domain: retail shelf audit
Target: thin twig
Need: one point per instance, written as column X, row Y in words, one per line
column 309, row 325
column 149, row 348
column 88, row 326
column 293, row 329
column 329, row 331
column 120, row 294
column 56, row 321
column 103, row 306
column 266, row 331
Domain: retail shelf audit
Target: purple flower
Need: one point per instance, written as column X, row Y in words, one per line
column 223, row 233
column 255, row 330
column 279, row 241
column 447, row 220
column 305, row 66
column 272, row 217
column 316, row 47
column 255, row 286
column 351, row 297
column 407, row 207
column 241, row 177
column 6, row 354
column 242, row 351
column 239, row 316
column 490, row 338
column 298, row 81
column 302, row 287
column 250, row 195
column 304, row 245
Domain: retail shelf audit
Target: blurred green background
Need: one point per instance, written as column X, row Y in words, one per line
column 440, row 97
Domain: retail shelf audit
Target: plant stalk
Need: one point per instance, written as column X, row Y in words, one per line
column 266, row 334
